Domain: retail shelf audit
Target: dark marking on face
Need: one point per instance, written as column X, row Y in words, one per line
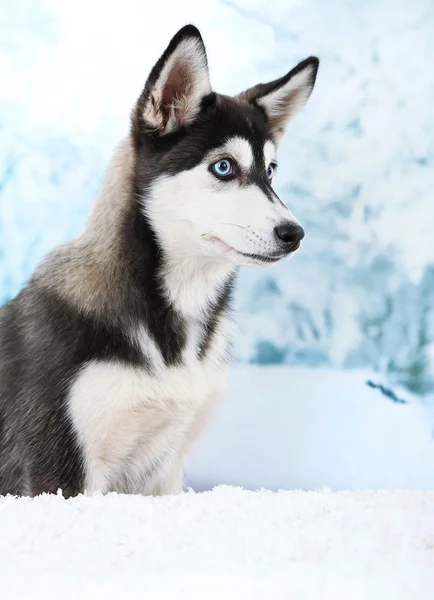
column 221, row 119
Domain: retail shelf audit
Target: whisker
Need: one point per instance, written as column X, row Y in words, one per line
column 235, row 225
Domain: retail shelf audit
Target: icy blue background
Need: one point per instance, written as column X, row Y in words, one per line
column 357, row 167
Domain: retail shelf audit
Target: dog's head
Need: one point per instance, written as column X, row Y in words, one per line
column 206, row 162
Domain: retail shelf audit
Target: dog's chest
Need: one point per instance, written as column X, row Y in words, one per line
column 133, row 423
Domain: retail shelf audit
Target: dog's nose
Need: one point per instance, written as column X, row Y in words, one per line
column 290, row 234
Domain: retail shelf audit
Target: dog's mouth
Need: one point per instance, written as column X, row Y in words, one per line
column 247, row 258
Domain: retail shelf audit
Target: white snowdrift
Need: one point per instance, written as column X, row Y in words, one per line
column 300, row 428
column 228, row 544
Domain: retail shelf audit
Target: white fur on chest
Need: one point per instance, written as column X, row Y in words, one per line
column 135, row 425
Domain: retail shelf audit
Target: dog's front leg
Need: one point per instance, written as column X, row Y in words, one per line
column 174, row 481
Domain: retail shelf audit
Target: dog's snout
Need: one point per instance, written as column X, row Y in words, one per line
column 290, row 234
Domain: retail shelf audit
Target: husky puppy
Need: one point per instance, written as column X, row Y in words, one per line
column 114, row 355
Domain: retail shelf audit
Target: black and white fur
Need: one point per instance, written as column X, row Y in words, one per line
column 115, row 353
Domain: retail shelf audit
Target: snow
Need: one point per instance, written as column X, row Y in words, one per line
column 299, row 428
column 355, row 167
column 327, row 430
column 277, row 427
column 221, row 544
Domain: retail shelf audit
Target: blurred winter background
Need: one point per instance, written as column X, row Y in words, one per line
column 356, row 304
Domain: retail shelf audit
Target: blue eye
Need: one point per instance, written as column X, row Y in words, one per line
column 222, row 168
column 270, row 171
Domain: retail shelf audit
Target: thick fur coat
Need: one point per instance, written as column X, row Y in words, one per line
column 115, row 353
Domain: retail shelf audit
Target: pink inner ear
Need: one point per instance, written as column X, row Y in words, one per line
column 174, row 93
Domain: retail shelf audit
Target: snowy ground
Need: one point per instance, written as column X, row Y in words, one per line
column 227, row 544
column 300, row 428
column 277, row 428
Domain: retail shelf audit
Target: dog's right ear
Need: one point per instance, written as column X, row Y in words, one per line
column 176, row 86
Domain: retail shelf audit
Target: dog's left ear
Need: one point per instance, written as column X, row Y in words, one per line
column 176, row 86
column 283, row 98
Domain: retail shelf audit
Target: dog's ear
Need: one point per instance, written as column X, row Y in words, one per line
column 283, row 98
column 176, row 86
